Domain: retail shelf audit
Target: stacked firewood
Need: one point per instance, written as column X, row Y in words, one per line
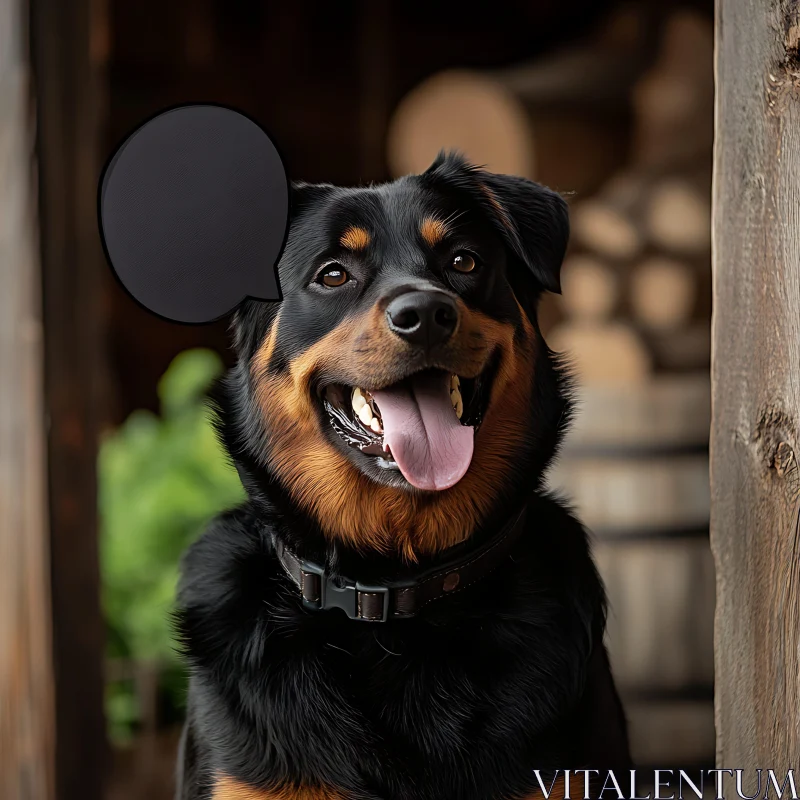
column 623, row 125
column 646, row 234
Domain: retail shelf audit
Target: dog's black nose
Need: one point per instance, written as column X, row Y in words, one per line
column 425, row 319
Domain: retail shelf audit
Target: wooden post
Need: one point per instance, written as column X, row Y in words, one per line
column 66, row 48
column 755, row 442
column 26, row 675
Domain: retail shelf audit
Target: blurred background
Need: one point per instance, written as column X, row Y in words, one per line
column 609, row 102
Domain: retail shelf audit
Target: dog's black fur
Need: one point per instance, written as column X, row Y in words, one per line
column 465, row 701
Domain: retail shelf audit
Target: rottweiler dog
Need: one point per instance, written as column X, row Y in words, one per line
column 400, row 610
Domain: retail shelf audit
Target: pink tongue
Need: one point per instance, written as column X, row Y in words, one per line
column 431, row 447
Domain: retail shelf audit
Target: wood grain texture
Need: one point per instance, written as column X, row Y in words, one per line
column 636, row 495
column 72, row 273
column 26, row 675
column 756, row 384
column 661, row 620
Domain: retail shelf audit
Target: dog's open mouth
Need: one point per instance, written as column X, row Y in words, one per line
column 423, row 425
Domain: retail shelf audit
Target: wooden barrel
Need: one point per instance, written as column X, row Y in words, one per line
column 636, row 468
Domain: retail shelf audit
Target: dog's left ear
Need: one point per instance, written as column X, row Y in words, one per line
column 532, row 219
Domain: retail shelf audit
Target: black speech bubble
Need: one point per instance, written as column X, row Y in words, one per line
column 193, row 210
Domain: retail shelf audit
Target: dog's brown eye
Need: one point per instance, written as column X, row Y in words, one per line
column 333, row 275
column 464, row 262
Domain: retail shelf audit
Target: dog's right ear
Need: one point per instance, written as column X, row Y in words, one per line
column 304, row 195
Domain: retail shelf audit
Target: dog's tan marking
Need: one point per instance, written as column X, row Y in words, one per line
column 346, row 504
column 433, row 230
column 497, row 206
column 355, row 238
column 227, row 788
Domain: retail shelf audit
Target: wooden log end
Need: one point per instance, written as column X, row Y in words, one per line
column 606, row 230
column 662, row 293
column 604, row 353
column 589, row 289
column 678, row 217
column 465, row 111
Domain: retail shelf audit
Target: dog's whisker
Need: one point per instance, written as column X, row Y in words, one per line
column 452, row 219
column 383, row 647
column 336, row 647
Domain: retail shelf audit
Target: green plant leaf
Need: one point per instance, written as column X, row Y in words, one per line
column 187, row 379
column 161, row 479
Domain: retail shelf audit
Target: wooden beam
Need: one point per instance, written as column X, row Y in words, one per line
column 26, row 674
column 67, row 84
column 755, row 441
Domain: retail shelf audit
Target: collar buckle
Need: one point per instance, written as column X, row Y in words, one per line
column 359, row 601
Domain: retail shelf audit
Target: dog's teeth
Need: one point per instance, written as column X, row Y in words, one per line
column 458, row 403
column 358, row 400
column 375, row 425
column 365, row 414
column 455, row 383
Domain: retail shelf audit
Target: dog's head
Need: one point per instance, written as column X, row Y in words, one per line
column 402, row 390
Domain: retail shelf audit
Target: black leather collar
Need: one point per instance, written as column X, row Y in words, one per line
column 402, row 599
